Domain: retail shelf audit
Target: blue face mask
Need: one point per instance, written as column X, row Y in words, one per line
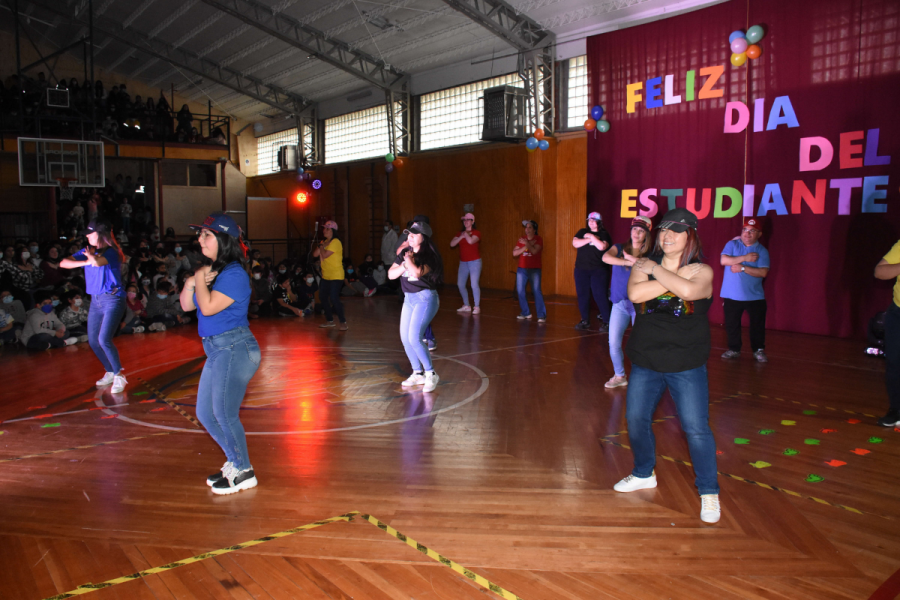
column 47, row 308
column 7, row 299
column 349, row 270
column 55, row 302
column 178, row 249
column 162, row 296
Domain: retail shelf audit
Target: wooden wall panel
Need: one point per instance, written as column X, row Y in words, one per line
column 571, row 205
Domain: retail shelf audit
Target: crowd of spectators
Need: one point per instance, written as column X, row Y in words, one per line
column 115, row 114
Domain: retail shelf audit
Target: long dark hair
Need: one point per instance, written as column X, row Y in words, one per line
column 109, row 238
column 629, row 247
column 428, row 256
column 231, row 249
column 693, row 248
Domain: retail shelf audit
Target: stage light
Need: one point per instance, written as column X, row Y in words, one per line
column 317, row 184
column 302, row 197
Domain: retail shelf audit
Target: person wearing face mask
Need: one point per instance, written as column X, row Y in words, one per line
column 379, row 275
column 35, row 250
column 162, row 274
column 13, row 307
column 353, row 283
column 43, row 329
column 306, row 293
column 154, row 235
column 163, row 306
column 284, row 301
column 135, row 314
column 8, row 328
column 73, row 316
column 388, row 243
column 101, row 261
column 177, row 261
column 261, row 294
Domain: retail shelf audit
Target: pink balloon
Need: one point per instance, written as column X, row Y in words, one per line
column 739, row 45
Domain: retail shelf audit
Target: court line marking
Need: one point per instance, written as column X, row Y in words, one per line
column 759, row 484
column 98, row 444
column 579, row 337
column 161, row 396
column 844, row 410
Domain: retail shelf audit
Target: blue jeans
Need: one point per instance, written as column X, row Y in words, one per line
column 232, row 359
column 418, row 311
column 104, row 317
column 592, row 282
column 522, row 278
column 330, row 295
column 622, row 313
column 690, row 392
column 470, row 269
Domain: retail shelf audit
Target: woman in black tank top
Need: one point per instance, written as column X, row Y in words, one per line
column 669, row 346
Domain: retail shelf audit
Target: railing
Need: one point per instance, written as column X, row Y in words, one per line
column 296, row 249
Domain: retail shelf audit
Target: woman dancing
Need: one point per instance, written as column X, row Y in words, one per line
column 221, row 296
column 102, row 261
column 669, row 346
column 420, row 271
column 469, row 263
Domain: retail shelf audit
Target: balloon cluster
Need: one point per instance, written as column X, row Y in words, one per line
column 597, row 122
column 392, row 161
column 743, row 46
column 537, row 141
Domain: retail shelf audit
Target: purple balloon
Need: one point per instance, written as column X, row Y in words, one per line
column 388, row 168
column 739, row 45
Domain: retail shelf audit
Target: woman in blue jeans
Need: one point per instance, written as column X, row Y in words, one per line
column 420, row 271
column 622, row 258
column 102, row 261
column 221, row 296
column 528, row 251
column 669, row 346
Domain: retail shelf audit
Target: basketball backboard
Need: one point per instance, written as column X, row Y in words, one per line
column 42, row 161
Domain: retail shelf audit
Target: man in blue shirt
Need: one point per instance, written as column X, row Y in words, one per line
column 746, row 263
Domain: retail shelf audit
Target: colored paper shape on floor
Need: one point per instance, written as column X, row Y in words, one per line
column 139, row 394
column 809, row 412
column 853, row 421
column 147, row 401
column 811, row 442
column 813, row 478
column 835, row 463
column 828, row 430
column 36, row 407
column 766, row 431
column 760, row 464
column 158, row 409
column 2, row 432
column 788, row 423
column 43, row 416
column 741, row 441
column 109, row 417
column 790, row 452
column 875, row 440
column 50, row 425
column 719, row 453
column 861, row 451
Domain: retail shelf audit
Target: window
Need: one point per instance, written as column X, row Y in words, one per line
column 577, row 100
column 361, row 134
column 202, row 174
column 267, row 150
column 174, row 173
column 454, row 116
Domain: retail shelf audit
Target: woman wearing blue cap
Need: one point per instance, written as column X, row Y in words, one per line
column 221, row 296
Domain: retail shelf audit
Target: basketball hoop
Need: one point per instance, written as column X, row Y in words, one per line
column 65, row 192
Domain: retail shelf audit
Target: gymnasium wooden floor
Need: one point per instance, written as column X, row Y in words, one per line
column 506, row 470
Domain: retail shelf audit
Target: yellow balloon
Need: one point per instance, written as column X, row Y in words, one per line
column 739, row 59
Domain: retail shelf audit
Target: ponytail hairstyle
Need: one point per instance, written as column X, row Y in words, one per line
column 693, row 248
column 428, row 256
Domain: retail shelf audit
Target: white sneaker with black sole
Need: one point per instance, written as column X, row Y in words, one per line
column 234, row 481
column 633, row 484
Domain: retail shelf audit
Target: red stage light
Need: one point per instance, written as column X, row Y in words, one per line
column 302, row 197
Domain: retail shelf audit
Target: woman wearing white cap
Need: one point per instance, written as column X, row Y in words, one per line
column 591, row 273
column 420, row 270
column 469, row 263
column 331, row 253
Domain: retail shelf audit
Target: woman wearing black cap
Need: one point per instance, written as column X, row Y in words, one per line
column 221, row 295
column 420, row 271
column 102, row 261
column 669, row 346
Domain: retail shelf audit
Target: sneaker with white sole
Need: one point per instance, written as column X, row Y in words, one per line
column 891, row 419
column 83, row 338
column 106, row 379
column 731, row 354
column 119, row 383
column 760, row 356
column 542, row 320
column 138, row 329
column 220, row 475
column 633, row 484
column 710, row 509
column 417, row 378
column 523, row 317
column 431, row 381
column 326, row 324
column 616, row 381
column 476, row 310
column 235, row 481
column 71, row 340
column 157, row 327
column 464, row 308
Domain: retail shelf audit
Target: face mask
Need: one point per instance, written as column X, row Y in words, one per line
column 34, row 249
column 7, row 299
column 309, row 280
column 386, row 228
column 381, row 267
column 26, row 255
column 145, row 281
column 54, row 302
column 47, row 308
column 78, row 301
column 282, row 271
column 256, row 275
column 349, row 270
column 178, row 249
column 162, row 296
column 131, row 296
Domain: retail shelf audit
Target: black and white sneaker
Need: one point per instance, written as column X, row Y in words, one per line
column 235, row 481
column 219, row 476
column 892, row 419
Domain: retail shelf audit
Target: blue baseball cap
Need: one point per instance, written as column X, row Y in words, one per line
column 219, row 221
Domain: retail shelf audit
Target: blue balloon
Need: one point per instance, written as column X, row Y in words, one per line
column 531, row 143
column 543, row 144
column 597, row 113
column 735, row 35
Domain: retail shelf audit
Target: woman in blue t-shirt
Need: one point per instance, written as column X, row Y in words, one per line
column 221, row 295
column 102, row 261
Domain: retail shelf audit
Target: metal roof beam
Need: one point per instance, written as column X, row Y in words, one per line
column 506, row 22
column 309, row 39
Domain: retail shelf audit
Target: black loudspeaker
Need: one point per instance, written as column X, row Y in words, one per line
column 287, row 158
column 505, row 114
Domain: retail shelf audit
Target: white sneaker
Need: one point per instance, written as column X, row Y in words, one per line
column 139, row 329
column 106, row 379
column 476, row 310
column 710, row 509
column 71, row 340
column 157, row 327
column 119, row 383
column 414, row 380
column 83, row 338
column 465, row 308
column 616, row 381
column 431, row 381
column 633, row 484
column 523, row 317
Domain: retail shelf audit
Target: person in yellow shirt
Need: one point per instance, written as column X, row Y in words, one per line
column 331, row 254
column 889, row 268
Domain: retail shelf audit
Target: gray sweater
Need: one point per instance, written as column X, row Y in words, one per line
column 37, row 321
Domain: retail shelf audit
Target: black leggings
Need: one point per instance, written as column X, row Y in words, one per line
column 330, row 295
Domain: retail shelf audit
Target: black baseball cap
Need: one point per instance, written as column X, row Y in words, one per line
column 417, row 227
column 97, row 225
column 678, row 220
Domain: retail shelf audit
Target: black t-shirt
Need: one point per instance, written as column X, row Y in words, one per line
column 412, row 285
column 670, row 335
column 589, row 258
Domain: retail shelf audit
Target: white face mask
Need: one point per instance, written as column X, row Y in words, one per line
column 78, row 301
column 26, row 255
column 256, row 275
column 386, row 228
column 309, row 280
column 178, row 249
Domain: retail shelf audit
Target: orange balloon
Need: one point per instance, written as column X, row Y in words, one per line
column 538, row 134
column 753, row 52
column 398, row 162
column 590, row 125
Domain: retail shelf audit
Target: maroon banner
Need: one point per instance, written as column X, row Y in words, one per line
column 806, row 134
